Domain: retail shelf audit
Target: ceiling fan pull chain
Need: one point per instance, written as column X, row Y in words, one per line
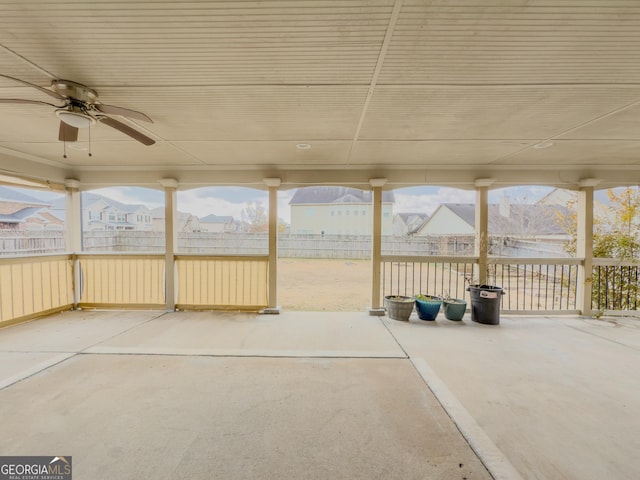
column 89, row 139
column 64, row 143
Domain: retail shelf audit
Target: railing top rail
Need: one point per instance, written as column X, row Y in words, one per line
column 535, row 261
column 428, row 259
column 35, row 257
column 613, row 262
column 204, row 256
column 491, row 260
column 119, row 254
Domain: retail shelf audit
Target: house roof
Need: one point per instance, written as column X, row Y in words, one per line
column 523, row 219
column 335, row 195
column 89, row 198
column 407, row 217
column 599, row 196
column 211, row 218
column 466, row 211
column 21, row 215
column 414, row 220
column 14, row 195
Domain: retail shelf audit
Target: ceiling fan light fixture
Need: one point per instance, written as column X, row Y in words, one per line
column 75, row 119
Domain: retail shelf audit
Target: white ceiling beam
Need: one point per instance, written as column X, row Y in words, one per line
column 393, row 19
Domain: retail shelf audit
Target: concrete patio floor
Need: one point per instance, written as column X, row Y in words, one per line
column 205, row 395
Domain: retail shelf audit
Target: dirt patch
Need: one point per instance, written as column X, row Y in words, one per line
column 335, row 285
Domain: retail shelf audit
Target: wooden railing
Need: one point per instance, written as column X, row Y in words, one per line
column 121, row 281
column 34, row 286
column 38, row 285
column 222, row 282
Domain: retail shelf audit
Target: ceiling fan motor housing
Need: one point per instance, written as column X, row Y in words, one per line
column 76, row 91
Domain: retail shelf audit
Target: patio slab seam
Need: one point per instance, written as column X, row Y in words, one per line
column 35, row 370
column 602, row 337
column 240, row 354
column 487, row 452
column 126, row 330
column 496, row 463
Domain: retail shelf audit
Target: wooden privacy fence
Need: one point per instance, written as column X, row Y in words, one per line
column 29, row 242
column 289, row 245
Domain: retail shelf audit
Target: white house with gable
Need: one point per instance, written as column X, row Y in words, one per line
column 337, row 211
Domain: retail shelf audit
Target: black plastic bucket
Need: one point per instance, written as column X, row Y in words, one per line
column 485, row 303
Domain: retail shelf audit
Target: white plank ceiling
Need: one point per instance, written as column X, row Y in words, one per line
column 415, row 91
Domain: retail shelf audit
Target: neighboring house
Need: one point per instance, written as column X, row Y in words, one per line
column 218, row 223
column 19, row 211
column 558, row 196
column 337, row 211
column 601, row 204
column 186, row 221
column 515, row 230
column 100, row 213
column 408, row 223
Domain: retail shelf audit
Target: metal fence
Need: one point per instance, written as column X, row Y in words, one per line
column 614, row 285
column 536, row 285
column 441, row 276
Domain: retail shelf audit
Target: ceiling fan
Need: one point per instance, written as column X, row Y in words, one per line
column 81, row 108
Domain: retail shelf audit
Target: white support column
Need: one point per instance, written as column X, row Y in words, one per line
column 170, row 186
column 482, row 227
column 376, row 307
column 273, row 184
column 584, row 244
column 73, row 233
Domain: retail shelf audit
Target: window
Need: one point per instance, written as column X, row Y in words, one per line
column 122, row 217
column 112, row 217
column 93, row 215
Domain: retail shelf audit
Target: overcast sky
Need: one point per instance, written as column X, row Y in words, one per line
column 232, row 200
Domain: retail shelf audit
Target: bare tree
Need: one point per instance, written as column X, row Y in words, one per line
column 256, row 217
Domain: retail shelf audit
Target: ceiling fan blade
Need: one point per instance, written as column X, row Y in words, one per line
column 125, row 112
column 127, row 130
column 23, row 100
column 42, row 89
column 67, row 133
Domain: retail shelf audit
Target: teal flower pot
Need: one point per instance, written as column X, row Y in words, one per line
column 454, row 309
column 428, row 306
